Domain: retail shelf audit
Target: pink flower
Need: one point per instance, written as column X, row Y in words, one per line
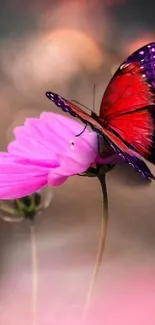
column 45, row 151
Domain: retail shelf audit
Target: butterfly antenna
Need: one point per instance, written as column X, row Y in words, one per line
column 75, row 101
column 94, row 93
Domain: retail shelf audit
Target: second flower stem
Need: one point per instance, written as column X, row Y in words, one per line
column 35, row 272
column 101, row 245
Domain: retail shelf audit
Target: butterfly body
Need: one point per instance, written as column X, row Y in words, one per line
column 127, row 111
column 101, row 121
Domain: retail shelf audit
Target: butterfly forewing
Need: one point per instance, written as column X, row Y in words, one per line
column 128, row 104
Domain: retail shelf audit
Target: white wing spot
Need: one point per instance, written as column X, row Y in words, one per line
column 125, row 65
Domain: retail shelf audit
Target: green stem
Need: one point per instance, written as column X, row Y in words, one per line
column 101, row 245
column 35, row 272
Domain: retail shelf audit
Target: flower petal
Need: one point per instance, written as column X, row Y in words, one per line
column 11, row 165
column 70, row 166
column 16, row 189
column 51, row 137
column 56, row 179
column 48, row 136
column 69, row 129
column 18, row 178
column 29, row 147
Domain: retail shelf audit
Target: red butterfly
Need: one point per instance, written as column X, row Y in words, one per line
column 127, row 112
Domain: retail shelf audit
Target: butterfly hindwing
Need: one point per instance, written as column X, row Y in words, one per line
column 137, row 163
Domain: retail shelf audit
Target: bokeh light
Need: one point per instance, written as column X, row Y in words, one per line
column 55, row 57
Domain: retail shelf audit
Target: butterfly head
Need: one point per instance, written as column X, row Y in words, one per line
column 94, row 115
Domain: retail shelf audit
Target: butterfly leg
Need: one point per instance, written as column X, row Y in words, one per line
column 82, row 130
column 98, row 143
column 103, row 144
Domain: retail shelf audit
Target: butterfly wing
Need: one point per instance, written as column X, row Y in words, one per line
column 137, row 163
column 132, row 86
column 127, row 108
column 71, row 108
column 75, row 111
column 128, row 104
column 118, row 146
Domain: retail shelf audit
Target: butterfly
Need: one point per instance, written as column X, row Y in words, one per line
column 127, row 112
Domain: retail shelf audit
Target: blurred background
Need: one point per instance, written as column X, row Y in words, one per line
column 67, row 47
